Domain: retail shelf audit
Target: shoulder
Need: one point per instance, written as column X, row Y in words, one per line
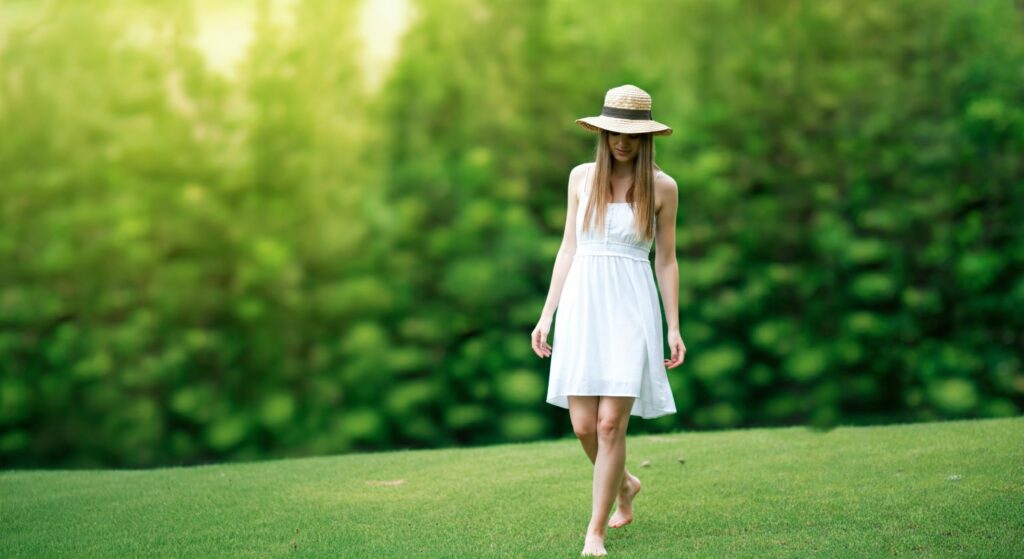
column 664, row 181
column 664, row 184
column 581, row 169
column 576, row 177
column 665, row 188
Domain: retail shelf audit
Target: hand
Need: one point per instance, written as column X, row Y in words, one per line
column 540, row 337
column 675, row 343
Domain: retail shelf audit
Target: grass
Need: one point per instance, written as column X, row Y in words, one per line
column 786, row 492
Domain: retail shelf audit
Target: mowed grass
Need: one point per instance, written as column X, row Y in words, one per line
column 952, row 489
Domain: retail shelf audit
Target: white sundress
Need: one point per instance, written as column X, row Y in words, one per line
column 607, row 337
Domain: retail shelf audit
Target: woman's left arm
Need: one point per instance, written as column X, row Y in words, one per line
column 665, row 265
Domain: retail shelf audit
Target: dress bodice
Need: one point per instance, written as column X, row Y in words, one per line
column 619, row 237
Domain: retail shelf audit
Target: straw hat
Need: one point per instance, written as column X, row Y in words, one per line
column 627, row 109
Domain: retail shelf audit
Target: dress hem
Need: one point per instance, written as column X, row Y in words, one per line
column 562, row 401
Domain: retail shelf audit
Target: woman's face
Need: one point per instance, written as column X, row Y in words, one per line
column 624, row 147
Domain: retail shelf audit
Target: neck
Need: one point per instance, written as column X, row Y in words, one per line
column 622, row 168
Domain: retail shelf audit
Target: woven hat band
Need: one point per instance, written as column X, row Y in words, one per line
column 630, row 114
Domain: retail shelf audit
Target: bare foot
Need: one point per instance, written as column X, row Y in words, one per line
column 594, row 546
column 624, row 511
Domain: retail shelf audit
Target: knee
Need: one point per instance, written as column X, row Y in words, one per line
column 609, row 427
column 584, row 430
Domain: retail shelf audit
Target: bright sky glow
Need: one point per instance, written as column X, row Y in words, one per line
column 224, row 29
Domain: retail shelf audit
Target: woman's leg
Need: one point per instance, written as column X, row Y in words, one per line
column 609, row 467
column 583, row 414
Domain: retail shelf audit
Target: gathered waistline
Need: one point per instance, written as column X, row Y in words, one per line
column 611, row 248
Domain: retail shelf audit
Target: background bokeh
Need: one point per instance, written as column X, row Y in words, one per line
column 317, row 245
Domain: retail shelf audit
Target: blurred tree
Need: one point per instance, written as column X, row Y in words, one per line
column 201, row 267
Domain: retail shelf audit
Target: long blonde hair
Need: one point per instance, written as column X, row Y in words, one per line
column 641, row 195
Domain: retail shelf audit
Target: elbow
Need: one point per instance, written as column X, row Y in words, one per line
column 665, row 262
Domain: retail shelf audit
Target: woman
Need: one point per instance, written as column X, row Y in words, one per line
column 606, row 361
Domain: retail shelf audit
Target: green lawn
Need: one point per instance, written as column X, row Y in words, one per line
column 850, row 492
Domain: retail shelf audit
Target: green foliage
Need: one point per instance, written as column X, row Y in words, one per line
column 715, row 364
column 521, row 388
column 953, row 396
column 518, row 426
column 281, row 262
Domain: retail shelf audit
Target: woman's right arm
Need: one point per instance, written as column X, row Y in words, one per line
column 563, row 261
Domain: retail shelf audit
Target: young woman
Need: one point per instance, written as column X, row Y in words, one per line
column 606, row 359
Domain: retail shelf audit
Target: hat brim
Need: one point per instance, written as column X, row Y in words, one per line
column 623, row 125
